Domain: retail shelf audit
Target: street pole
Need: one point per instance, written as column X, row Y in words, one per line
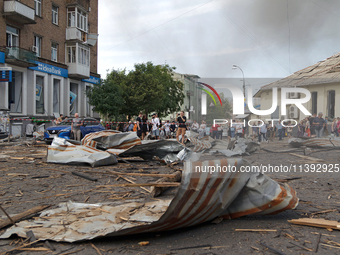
column 244, row 82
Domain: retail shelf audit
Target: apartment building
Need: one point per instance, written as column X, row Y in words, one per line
column 48, row 56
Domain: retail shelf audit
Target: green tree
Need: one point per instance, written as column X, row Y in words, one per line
column 217, row 111
column 148, row 88
column 152, row 89
column 106, row 97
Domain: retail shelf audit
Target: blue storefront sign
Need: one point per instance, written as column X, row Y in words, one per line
column 92, row 79
column 46, row 68
column 2, row 57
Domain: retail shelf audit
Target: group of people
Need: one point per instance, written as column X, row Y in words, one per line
column 312, row 126
column 159, row 130
column 316, row 126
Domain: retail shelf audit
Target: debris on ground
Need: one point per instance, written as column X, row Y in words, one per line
column 319, row 142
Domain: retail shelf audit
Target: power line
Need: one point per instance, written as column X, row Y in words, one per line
column 159, row 38
column 162, row 24
column 252, row 38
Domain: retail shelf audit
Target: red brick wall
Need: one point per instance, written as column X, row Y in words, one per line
column 49, row 31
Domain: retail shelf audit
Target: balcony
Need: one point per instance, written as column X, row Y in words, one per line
column 20, row 57
column 78, row 71
column 74, row 34
column 18, row 12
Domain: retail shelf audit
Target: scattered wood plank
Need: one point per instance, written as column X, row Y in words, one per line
column 22, row 215
column 97, row 250
column 308, row 158
column 176, row 177
column 140, row 174
column 331, row 246
column 85, row 176
column 320, row 223
column 300, row 246
column 272, row 249
column 166, row 184
column 325, row 211
column 255, row 230
column 128, row 180
column 317, row 243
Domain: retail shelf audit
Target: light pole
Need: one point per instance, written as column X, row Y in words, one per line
column 244, row 83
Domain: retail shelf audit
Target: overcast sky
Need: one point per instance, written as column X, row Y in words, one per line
column 266, row 38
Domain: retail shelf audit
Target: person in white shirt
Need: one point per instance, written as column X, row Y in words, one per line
column 167, row 129
column 195, row 126
column 201, row 130
column 155, row 125
column 239, row 130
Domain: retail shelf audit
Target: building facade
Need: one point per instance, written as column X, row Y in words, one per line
column 322, row 80
column 193, row 97
column 48, row 56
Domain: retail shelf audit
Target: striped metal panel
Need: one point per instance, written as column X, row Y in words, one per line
column 202, row 196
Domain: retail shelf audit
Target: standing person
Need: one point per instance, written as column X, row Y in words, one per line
column 307, row 126
column 155, row 125
column 195, row 126
column 280, row 130
column 60, row 119
column 131, row 125
column 273, row 133
column 300, row 129
column 144, row 126
column 182, row 126
column 172, row 129
column 75, row 127
column 139, row 124
column 232, row 130
column 319, row 123
column 289, row 130
column 201, row 130
column 214, row 129
column 326, row 127
column 312, row 126
column 254, row 132
column 239, row 130
column 334, row 128
column 263, row 133
column 167, row 129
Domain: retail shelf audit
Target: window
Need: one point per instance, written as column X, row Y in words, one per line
column 39, row 95
column 77, row 18
column 55, row 15
column 56, row 96
column 71, row 17
column 331, row 104
column 88, row 106
column 54, row 52
column 37, row 45
column 314, row 102
column 12, row 37
column 71, row 54
column 37, row 7
column 14, row 92
column 83, row 56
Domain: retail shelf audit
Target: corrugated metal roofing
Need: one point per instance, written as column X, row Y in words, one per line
column 326, row 71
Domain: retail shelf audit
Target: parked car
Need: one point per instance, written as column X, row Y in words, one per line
column 63, row 129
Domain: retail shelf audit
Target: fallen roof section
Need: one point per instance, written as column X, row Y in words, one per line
column 207, row 191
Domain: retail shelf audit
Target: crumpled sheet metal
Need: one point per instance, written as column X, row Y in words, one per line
column 150, row 148
column 202, row 196
column 67, row 153
column 233, row 148
column 111, row 139
column 329, row 142
column 200, row 144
